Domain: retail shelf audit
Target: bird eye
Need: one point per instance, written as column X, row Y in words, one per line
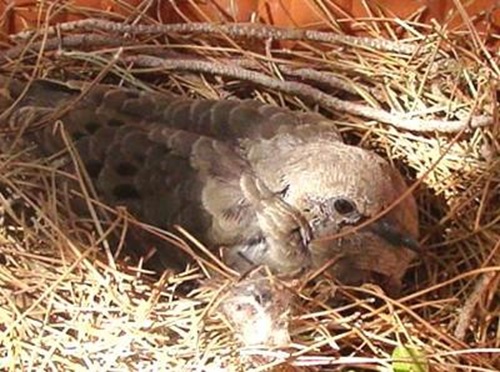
column 344, row 206
column 284, row 191
column 263, row 297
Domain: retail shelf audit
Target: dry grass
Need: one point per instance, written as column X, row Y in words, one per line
column 67, row 305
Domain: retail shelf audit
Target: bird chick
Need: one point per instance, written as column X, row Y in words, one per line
column 259, row 310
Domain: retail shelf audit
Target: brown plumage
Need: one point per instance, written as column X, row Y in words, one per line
column 264, row 181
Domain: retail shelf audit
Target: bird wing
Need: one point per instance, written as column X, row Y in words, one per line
column 172, row 160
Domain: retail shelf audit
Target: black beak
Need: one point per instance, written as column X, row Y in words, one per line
column 386, row 230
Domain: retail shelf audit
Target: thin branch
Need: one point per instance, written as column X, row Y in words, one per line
column 305, row 91
column 245, row 30
column 467, row 312
column 82, row 41
column 319, row 76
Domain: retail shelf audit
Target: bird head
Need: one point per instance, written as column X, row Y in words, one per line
column 347, row 194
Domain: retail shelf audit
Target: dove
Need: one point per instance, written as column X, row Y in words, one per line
column 273, row 186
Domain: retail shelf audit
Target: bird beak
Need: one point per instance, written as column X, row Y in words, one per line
column 386, row 230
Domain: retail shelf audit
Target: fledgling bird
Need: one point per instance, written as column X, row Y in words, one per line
column 268, row 183
column 258, row 304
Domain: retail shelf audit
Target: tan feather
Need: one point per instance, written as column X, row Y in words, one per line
column 269, row 183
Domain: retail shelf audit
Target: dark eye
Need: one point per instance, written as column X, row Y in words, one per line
column 284, row 191
column 263, row 298
column 344, row 206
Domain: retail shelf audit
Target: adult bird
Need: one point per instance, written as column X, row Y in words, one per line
column 276, row 187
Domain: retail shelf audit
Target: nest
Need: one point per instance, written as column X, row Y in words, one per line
column 427, row 101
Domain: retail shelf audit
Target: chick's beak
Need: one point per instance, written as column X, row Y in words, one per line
column 389, row 232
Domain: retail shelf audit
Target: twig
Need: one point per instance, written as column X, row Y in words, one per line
column 82, row 41
column 246, row 30
column 466, row 312
column 305, row 91
column 485, row 282
column 320, row 77
column 317, row 76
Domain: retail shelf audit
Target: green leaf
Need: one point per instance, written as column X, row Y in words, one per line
column 409, row 359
